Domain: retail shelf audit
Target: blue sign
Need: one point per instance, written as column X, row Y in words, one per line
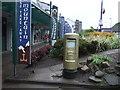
column 24, row 31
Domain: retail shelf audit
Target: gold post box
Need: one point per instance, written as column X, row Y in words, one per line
column 71, row 42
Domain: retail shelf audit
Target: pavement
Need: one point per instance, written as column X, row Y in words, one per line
column 52, row 75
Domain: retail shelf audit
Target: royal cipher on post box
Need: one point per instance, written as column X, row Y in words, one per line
column 70, row 65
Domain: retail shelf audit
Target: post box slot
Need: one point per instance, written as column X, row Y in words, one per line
column 71, row 39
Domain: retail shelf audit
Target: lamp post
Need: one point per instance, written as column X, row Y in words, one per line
column 111, row 24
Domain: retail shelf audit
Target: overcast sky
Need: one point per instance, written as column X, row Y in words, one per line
column 88, row 11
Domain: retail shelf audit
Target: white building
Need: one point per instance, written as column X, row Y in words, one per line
column 71, row 23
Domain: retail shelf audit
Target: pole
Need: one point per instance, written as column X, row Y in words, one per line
column 14, row 38
column 50, row 41
column 14, row 70
column 111, row 24
column 101, row 15
column 50, row 8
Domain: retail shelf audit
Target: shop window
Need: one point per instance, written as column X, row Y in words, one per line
column 46, row 36
column 40, row 35
column 37, row 36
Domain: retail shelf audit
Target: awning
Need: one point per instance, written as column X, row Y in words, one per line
column 8, row 7
column 38, row 15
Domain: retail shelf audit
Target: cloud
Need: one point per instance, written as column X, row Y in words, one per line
column 88, row 11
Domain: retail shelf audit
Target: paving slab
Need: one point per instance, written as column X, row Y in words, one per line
column 56, row 67
column 112, row 79
column 52, row 75
column 49, row 76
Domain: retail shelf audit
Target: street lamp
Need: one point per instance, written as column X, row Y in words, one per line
column 111, row 24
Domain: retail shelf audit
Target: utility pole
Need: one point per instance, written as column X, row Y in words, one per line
column 100, row 22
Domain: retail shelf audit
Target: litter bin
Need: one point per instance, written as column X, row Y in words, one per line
column 70, row 64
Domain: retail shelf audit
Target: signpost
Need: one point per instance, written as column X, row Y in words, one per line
column 54, row 35
column 100, row 23
column 24, row 31
column 21, row 33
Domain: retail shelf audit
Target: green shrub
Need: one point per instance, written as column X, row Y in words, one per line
column 58, row 50
column 88, row 30
column 92, row 46
column 87, row 34
column 114, row 42
column 88, row 43
column 97, row 59
column 86, row 47
column 108, row 43
column 97, row 63
column 102, row 46
column 82, row 47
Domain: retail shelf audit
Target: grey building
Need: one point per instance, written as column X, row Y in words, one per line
column 68, row 29
column 64, row 27
column 78, row 26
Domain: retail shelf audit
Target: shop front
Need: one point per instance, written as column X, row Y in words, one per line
column 40, row 26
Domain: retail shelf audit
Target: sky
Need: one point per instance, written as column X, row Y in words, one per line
column 88, row 11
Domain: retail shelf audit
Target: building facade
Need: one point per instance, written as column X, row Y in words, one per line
column 78, row 26
column 64, row 27
column 41, row 22
column 68, row 29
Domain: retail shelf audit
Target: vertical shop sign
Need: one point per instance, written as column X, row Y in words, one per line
column 54, row 29
column 24, row 31
column 54, row 26
column 55, row 11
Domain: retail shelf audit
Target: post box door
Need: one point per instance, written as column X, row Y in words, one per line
column 70, row 44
